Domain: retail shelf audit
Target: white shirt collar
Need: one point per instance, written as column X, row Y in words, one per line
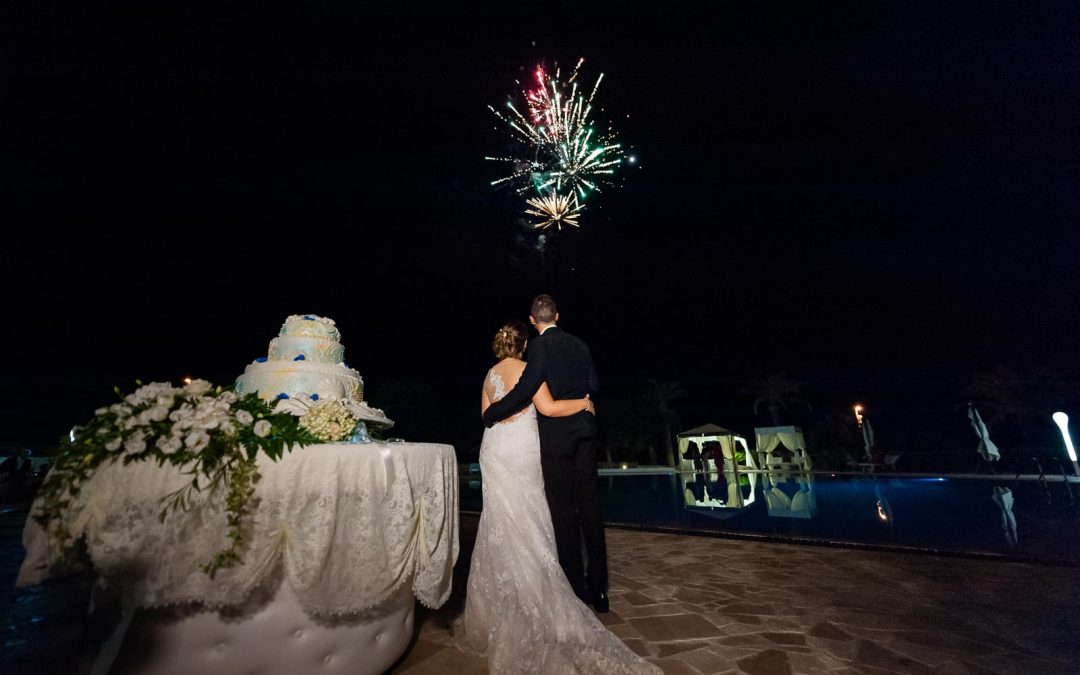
column 546, row 327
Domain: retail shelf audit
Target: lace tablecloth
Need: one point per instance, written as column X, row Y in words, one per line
column 347, row 525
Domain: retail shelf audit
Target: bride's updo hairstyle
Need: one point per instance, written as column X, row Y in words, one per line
column 510, row 340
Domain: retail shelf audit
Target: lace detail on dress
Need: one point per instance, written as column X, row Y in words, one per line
column 498, row 393
column 520, row 610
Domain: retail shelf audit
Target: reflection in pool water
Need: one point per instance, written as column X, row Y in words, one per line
column 1021, row 518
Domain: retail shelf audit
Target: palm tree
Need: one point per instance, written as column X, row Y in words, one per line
column 774, row 392
column 998, row 393
column 661, row 394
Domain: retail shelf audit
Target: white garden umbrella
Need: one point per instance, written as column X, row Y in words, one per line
column 1003, row 497
column 868, row 437
column 986, row 448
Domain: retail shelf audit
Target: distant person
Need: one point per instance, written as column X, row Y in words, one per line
column 693, row 454
column 714, row 452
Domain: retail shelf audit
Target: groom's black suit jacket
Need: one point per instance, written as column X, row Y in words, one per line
column 564, row 362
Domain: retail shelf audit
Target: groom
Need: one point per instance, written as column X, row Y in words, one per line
column 567, row 448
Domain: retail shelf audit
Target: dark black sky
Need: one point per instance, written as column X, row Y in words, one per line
column 860, row 194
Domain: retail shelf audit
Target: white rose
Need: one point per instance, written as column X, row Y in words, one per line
column 184, row 412
column 100, row 411
column 158, row 413
column 165, row 401
column 262, row 428
column 197, row 440
column 228, row 397
column 113, row 445
column 244, row 417
column 168, row 444
column 135, row 443
column 120, row 410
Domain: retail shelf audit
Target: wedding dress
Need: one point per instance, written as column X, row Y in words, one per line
column 520, row 610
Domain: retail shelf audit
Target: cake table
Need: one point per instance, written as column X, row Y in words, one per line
column 342, row 539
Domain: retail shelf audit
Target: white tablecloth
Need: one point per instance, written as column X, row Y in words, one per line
column 347, row 525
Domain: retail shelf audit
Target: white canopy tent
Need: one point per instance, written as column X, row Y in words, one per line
column 700, row 481
column 729, row 441
column 771, row 443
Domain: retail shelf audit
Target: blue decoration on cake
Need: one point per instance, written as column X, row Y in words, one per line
column 282, row 396
column 308, row 317
column 261, row 359
column 299, row 357
column 314, row 397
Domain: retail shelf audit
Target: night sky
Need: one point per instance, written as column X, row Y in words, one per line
column 879, row 199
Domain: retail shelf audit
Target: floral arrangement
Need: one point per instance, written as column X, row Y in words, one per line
column 329, row 419
column 209, row 432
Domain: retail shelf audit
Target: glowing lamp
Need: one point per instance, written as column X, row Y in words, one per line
column 187, row 380
column 858, row 413
column 1063, row 422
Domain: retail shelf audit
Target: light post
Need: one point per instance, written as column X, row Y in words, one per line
column 858, row 414
column 1062, row 420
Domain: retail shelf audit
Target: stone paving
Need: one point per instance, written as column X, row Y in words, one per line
column 709, row 605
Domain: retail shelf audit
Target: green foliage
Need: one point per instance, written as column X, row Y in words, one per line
column 209, row 434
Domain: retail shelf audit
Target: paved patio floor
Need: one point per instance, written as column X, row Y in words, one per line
column 704, row 605
column 710, row 605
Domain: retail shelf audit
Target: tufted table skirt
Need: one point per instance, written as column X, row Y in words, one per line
column 341, row 541
column 275, row 638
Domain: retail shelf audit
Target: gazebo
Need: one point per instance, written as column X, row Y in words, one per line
column 710, row 483
column 729, row 444
column 773, row 443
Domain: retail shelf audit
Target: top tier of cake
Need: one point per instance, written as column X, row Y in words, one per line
column 306, row 337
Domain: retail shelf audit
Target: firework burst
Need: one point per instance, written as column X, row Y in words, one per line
column 554, row 209
column 564, row 158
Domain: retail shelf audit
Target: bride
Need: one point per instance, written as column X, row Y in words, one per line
column 520, row 610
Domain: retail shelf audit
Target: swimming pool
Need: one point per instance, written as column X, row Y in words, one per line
column 1003, row 516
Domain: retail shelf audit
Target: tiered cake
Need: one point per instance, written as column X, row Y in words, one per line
column 306, row 363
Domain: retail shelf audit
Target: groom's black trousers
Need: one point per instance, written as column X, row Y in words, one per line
column 570, row 486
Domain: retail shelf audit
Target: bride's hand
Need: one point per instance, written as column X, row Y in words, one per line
column 589, row 405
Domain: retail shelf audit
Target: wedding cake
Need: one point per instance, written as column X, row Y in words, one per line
column 305, row 363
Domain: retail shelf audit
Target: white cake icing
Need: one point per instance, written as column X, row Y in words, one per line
column 305, row 364
column 271, row 379
column 318, row 349
column 310, row 325
column 305, row 359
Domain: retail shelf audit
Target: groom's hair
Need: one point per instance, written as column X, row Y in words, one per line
column 543, row 309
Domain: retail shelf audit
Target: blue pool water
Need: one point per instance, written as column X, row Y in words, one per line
column 1015, row 518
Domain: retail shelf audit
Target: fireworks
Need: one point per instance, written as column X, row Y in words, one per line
column 564, row 159
column 554, row 209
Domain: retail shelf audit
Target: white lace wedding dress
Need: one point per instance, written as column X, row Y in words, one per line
column 520, row 610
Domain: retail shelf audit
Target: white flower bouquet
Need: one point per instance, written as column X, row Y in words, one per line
column 329, row 419
column 209, row 432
